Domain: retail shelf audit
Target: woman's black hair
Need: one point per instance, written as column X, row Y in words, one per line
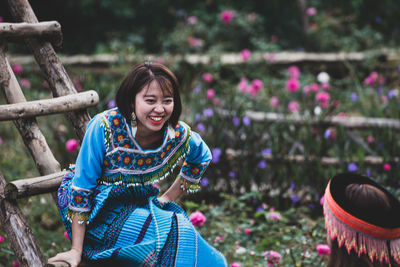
column 139, row 77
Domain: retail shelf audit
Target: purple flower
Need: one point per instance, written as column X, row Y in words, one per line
column 311, row 206
column 197, row 117
column 111, row 104
column 295, row 198
column 197, row 89
column 352, row 167
column 216, row 153
column 379, row 91
column 1, row 141
column 391, row 94
column 200, row 127
column 260, row 208
column 232, row 174
column 327, row 134
column 246, row 121
column 353, row 97
column 292, row 185
column 204, row 181
column 266, row 152
column 378, row 19
column 236, row 121
column 368, row 173
column 398, row 68
column 208, row 112
column 262, row 164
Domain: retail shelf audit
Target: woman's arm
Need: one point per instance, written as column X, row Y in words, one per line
column 173, row 193
column 73, row 256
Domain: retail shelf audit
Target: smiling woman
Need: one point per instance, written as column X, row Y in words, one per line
column 108, row 202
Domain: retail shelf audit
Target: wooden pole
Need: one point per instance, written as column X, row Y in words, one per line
column 50, row 64
column 28, row 128
column 347, row 122
column 34, row 186
column 49, row 106
column 49, row 30
column 19, row 234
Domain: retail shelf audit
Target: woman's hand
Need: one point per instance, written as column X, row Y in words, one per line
column 163, row 199
column 73, row 257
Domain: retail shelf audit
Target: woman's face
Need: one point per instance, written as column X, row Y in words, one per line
column 153, row 108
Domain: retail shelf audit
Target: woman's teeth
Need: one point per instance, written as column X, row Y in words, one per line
column 156, row 118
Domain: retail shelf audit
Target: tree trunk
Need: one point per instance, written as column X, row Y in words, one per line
column 19, row 234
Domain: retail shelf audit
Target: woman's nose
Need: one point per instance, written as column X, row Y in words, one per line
column 159, row 108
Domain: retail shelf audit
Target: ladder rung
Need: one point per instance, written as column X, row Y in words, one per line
column 49, row 106
column 17, row 32
column 34, row 186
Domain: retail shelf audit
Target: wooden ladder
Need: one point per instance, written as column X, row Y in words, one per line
column 37, row 37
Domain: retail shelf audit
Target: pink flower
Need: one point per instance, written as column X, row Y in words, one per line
column 306, row 89
column 247, row 231
column 252, row 16
column 15, row 263
column 272, row 257
column 293, row 106
column 342, row 115
column 274, row 216
column 66, row 235
column 239, row 230
column 322, row 97
column 235, row 264
column 370, row 139
column 311, row 11
column 25, row 83
column 294, row 72
column 322, row 200
column 274, row 101
column 210, row 93
column 325, row 86
column 387, row 167
column 192, row 20
column 292, row 85
column 1, row 239
column 246, row 54
column 159, row 60
column 323, row 250
column 216, row 101
column 197, row 218
column 219, row 238
column 227, row 17
column 384, row 99
column 274, row 38
column 255, row 87
column 243, row 85
column 270, row 57
column 195, row 42
column 71, row 145
column 314, row 87
column 46, row 84
column 17, row 69
column 77, row 84
column 207, row 77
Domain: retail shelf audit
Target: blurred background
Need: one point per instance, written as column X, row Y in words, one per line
column 260, row 80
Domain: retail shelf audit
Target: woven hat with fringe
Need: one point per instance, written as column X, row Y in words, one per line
column 375, row 235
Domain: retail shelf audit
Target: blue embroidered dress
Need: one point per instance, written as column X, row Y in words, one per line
column 111, row 189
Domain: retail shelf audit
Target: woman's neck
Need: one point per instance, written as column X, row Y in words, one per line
column 149, row 140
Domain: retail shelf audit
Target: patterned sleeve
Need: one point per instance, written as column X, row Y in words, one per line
column 87, row 171
column 195, row 165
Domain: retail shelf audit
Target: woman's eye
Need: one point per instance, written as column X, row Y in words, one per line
column 150, row 101
column 168, row 101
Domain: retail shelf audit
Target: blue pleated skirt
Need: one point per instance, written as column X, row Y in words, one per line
column 129, row 227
